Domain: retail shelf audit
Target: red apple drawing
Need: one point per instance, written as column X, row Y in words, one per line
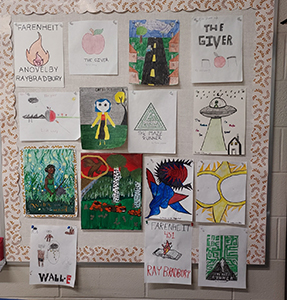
column 219, row 61
column 94, row 42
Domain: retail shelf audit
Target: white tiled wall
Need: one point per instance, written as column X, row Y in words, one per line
column 102, row 281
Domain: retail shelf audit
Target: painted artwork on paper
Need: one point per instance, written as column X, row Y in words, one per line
column 221, row 192
column 93, row 47
column 169, row 189
column 222, row 256
column 49, row 116
column 49, row 181
column 104, row 117
column 38, row 59
column 53, row 252
column 167, row 252
column 111, row 191
column 217, row 49
column 152, row 121
column 154, row 52
column 219, row 121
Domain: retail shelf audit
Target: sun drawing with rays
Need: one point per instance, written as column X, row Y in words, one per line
column 221, row 191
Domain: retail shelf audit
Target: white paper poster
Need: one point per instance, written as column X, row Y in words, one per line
column 219, row 121
column 93, row 47
column 169, row 188
column 222, row 256
column 53, row 252
column 38, row 58
column 49, row 116
column 217, row 49
column 221, row 192
column 167, row 252
column 152, row 121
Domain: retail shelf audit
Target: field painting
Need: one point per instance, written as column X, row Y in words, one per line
column 49, row 181
column 111, row 191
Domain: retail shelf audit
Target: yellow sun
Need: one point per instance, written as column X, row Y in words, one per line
column 221, row 186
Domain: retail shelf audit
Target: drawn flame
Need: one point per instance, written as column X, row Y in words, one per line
column 36, row 55
column 166, row 247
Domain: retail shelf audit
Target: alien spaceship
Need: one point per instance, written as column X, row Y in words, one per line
column 217, row 108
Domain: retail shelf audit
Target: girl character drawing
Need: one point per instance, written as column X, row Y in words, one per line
column 102, row 107
column 49, row 183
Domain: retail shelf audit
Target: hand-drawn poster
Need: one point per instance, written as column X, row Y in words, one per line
column 93, row 47
column 222, row 256
column 152, row 121
column 38, row 58
column 154, row 52
column 169, row 188
column 217, row 49
column 49, row 116
column 104, row 117
column 48, row 180
column 167, row 252
column 221, row 192
column 53, row 252
column 111, row 191
column 219, row 121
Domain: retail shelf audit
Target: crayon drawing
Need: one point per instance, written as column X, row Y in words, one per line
column 111, row 191
column 103, row 117
column 154, row 52
column 152, row 121
column 169, row 191
column 167, row 252
column 221, row 192
column 49, row 181
column 219, row 121
column 217, row 49
column 38, row 59
column 222, row 256
column 53, row 255
column 93, row 47
column 49, row 116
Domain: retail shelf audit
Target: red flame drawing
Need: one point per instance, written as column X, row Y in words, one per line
column 166, row 247
column 36, row 55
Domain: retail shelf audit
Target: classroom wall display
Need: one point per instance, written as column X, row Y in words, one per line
column 154, row 52
column 219, row 121
column 258, row 34
column 104, row 119
column 217, row 49
column 169, row 188
column 49, row 116
column 111, row 191
column 152, row 121
column 48, row 181
column 93, row 47
column 221, row 192
column 53, row 255
column 167, row 252
column 222, row 256
column 38, row 59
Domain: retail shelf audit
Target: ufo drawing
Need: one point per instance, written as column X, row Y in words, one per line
column 214, row 139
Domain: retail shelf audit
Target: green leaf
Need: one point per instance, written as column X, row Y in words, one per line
column 98, row 31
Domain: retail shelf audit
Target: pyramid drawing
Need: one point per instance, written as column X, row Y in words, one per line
column 150, row 121
column 222, row 272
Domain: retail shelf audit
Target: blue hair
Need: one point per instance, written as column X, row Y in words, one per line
column 102, row 100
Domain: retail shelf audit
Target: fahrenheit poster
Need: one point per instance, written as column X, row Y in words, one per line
column 53, row 255
column 38, row 59
column 167, row 252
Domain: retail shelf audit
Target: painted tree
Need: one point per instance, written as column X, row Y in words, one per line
column 116, row 161
column 120, row 98
column 137, row 177
column 141, row 30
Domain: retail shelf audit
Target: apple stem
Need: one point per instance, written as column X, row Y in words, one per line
column 92, row 31
column 216, row 54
